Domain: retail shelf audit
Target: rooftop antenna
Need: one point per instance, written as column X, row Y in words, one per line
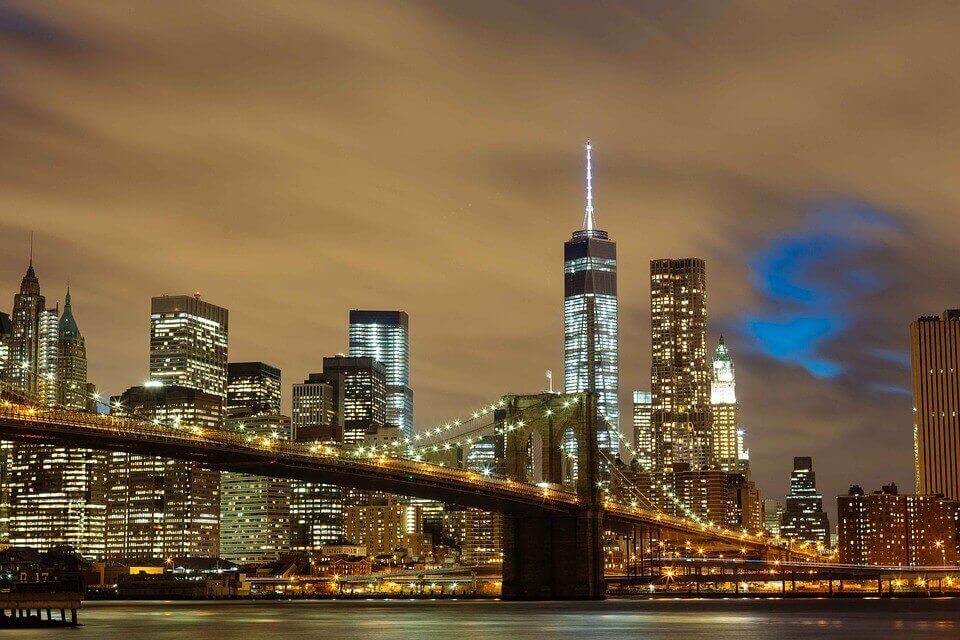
column 588, row 223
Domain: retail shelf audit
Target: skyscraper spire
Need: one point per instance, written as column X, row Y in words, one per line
column 588, row 222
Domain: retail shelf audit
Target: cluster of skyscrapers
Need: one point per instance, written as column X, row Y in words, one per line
column 688, row 454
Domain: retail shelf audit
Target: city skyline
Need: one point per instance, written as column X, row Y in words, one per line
column 494, row 215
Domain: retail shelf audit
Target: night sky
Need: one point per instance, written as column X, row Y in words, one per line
column 294, row 160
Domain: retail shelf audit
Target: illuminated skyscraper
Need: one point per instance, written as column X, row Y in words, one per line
column 643, row 437
column 255, row 510
column 316, row 509
column 363, row 383
column 591, row 351
column 71, row 361
column 23, row 364
column 680, row 376
column 935, row 359
column 54, row 495
column 188, row 343
column 385, row 337
column 728, row 452
column 6, row 330
column 159, row 508
column 804, row 518
column 253, row 388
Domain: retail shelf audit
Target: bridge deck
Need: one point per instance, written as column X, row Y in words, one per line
column 230, row 451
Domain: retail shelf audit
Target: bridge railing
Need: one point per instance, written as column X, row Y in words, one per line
column 136, row 429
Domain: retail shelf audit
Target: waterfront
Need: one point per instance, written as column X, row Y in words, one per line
column 479, row 620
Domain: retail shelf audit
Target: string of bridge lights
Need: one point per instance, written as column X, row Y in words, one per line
column 665, row 488
column 417, row 452
column 408, row 444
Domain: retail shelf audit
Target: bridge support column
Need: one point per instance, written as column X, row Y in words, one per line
column 553, row 557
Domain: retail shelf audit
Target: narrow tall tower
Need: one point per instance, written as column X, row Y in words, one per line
column 935, row 362
column 385, row 337
column 590, row 316
column 680, row 377
column 28, row 308
column 728, row 453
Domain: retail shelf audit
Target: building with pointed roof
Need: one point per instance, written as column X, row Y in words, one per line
column 590, row 316
column 728, row 450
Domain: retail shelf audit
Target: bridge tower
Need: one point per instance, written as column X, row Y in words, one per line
column 554, row 556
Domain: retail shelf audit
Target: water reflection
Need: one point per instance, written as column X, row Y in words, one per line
column 472, row 620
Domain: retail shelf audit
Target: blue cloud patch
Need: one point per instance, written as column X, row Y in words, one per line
column 810, row 280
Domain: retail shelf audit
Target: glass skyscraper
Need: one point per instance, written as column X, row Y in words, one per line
column 385, row 336
column 591, row 343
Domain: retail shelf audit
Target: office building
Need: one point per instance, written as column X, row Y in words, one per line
column 772, row 513
column 316, row 509
column 590, row 318
column 385, row 337
column 386, row 527
column 71, row 376
column 254, row 510
column 643, row 437
column 6, row 331
column 57, row 498
column 803, row 517
column 886, row 528
column 935, row 361
column 159, row 508
column 728, row 450
column 23, row 364
column 47, row 356
column 680, row 376
column 318, row 409
column 482, row 541
column 363, row 384
column 253, row 388
column 52, row 495
column 255, row 524
column 188, row 343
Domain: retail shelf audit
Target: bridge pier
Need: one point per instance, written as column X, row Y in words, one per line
column 553, row 557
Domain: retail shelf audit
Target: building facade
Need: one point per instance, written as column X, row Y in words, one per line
column 255, row 524
column 363, row 396
column 255, row 521
column 591, row 317
column 886, row 528
column 643, row 436
column 728, row 450
column 935, row 362
column 385, row 337
column 53, row 496
column 680, row 376
column 803, row 516
column 23, row 363
column 159, row 508
column 385, row 528
column 772, row 513
column 188, row 343
column 253, row 389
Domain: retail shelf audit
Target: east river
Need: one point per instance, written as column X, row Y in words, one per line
column 618, row 619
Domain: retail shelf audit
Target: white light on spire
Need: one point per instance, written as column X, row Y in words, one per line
column 588, row 224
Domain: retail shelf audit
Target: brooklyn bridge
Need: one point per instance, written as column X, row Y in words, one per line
column 555, row 499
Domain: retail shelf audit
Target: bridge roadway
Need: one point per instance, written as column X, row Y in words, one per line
column 230, row 451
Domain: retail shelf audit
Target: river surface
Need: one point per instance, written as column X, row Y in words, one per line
column 481, row 620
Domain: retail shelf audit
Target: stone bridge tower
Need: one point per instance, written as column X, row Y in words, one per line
column 554, row 556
